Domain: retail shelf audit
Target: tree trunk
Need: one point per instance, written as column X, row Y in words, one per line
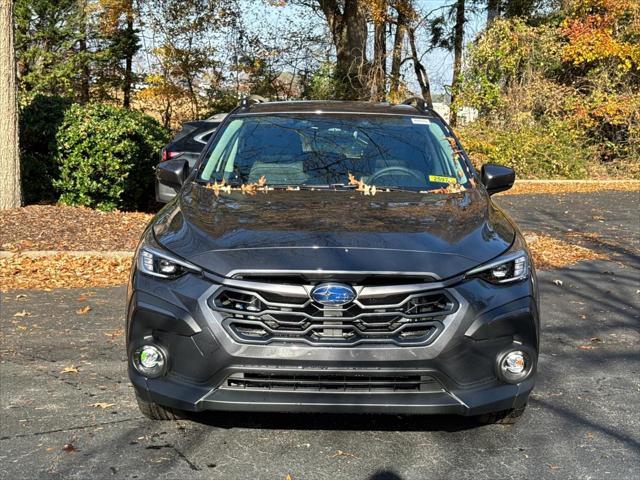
column 379, row 67
column 458, row 39
column 493, row 11
column 421, row 72
column 349, row 33
column 10, row 194
column 128, row 61
column 396, row 56
column 85, row 73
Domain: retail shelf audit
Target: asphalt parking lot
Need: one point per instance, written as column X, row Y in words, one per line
column 68, row 412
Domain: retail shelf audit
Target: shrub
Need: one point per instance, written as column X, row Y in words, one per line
column 39, row 122
column 533, row 149
column 106, row 156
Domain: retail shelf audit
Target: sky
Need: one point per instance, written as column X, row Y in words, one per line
column 438, row 62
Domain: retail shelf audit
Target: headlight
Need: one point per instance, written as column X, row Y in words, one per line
column 154, row 261
column 511, row 267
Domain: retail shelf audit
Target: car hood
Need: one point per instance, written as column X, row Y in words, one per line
column 334, row 231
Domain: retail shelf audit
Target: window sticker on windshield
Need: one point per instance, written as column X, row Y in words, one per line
column 420, row 121
column 439, row 179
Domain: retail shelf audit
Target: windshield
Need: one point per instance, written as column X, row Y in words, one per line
column 316, row 150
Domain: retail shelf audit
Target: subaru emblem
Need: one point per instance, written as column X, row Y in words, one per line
column 333, row 294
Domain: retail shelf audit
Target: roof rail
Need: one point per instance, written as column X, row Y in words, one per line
column 418, row 102
column 249, row 100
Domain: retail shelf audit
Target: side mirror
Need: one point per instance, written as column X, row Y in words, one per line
column 497, row 178
column 172, row 173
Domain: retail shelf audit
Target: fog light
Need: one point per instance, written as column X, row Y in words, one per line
column 150, row 361
column 515, row 362
column 514, row 366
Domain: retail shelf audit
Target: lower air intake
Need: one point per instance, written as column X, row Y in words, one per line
column 352, row 383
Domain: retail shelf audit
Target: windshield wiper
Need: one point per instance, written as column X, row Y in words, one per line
column 396, row 189
column 310, row 186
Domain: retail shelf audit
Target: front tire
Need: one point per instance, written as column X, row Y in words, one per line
column 158, row 412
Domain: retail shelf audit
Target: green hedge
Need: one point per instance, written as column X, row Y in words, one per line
column 551, row 149
column 106, row 156
column 39, row 123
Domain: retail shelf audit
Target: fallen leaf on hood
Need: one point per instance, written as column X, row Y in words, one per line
column 23, row 313
column 84, row 310
column 70, row 369
column 102, row 405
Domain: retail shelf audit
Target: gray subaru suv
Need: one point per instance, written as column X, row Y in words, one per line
column 333, row 257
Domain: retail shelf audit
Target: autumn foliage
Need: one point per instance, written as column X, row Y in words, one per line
column 561, row 97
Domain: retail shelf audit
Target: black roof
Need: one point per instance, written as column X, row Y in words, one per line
column 327, row 106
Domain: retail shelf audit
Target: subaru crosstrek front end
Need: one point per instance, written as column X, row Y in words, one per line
column 333, row 257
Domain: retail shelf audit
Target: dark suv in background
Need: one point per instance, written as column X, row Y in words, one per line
column 187, row 145
column 333, row 257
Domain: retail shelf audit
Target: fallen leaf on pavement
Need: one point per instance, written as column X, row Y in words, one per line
column 558, row 282
column 69, row 447
column 20, row 296
column 340, row 453
column 114, row 334
column 84, row 310
column 586, row 347
column 70, row 369
column 553, row 466
column 23, row 313
column 102, row 405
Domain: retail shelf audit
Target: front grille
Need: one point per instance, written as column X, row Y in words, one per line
column 313, row 382
column 404, row 319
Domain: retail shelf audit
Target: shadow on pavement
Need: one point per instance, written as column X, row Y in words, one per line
column 338, row 422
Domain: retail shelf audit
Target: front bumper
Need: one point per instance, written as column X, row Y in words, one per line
column 455, row 373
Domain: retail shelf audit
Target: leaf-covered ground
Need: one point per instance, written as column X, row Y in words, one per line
column 60, row 227
column 554, row 187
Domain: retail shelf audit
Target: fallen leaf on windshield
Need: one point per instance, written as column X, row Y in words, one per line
column 102, row 405
column 219, row 187
column 361, row 186
column 252, row 188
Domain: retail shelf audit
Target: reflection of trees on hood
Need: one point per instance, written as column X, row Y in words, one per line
column 445, row 216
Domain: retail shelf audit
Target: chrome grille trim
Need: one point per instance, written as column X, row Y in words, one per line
column 250, row 318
